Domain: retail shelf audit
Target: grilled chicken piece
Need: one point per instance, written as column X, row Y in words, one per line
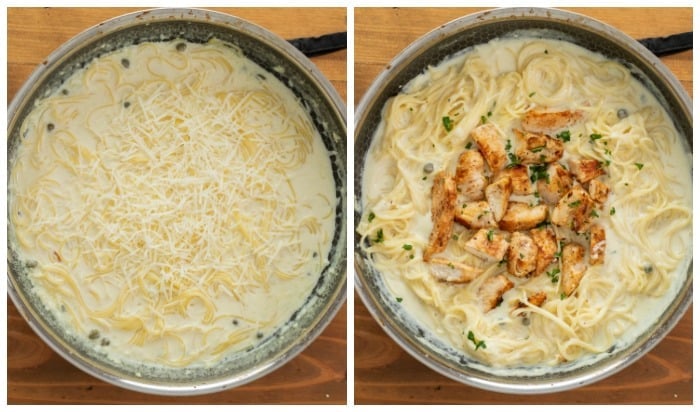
column 497, row 195
column 556, row 185
column 546, row 242
column 488, row 244
column 522, row 255
column 573, row 267
column 538, row 148
column 596, row 254
column 574, row 210
column 444, row 197
column 519, row 179
column 475, row 215
column 536, row 299
column 492, row 290
column 598, row 190
column 453, row 272
column 586, row 169
column 469, row 176
column 521, row 216
column 536, row 121
column 490, row 142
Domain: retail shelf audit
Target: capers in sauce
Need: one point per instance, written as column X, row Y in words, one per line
column 428, row 168
column 94, row 334
column 622, row 113
column 180, row 47
column 126, row 63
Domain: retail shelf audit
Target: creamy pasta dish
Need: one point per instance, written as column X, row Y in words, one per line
column 173, row 202
column 529, row 201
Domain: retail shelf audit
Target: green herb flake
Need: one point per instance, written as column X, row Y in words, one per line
column 539, row 172
column 612, row 211
column 483, row 119
column 564, row 136
column 411, row 256
column 477, row 343
column 399, row 299
column 514, row 160
column 468, row 146
column 554, row 275
column 575, row 204
column 447, row 123
column 508, row 145
column 562, row 296
column 407, row 247
column 639, row 165
column 531, row 94
column 371, row 217
column 595, row 136
column 489, row 235
column 594, row 213
column 380, row 236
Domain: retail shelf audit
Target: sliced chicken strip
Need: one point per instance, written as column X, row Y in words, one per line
column 444, row 197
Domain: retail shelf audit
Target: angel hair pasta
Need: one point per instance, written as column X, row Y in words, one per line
column 529, row 200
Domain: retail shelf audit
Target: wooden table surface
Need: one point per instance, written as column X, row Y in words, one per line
column 37, row 375
column 385, row 373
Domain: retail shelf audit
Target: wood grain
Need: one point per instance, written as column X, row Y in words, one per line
column 36, row 374
column 385, row 373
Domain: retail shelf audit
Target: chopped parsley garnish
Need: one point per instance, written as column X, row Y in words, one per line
column 380, row 236
column 575, row 203
column 468, row 146
column 564, row 136
column 477, row 343
column 514, row 160
column 483, row 119
column 407, row 247
column 399, row 299
column 508, row 145
column 554, row 275
column 538, row 172
column 371, row 216
column 639, row 165
column 594, row 213
column 562, row 296
column 448, row 123
column 489, row 235
column 595, row 136
column 612, row 211
column 455, row 237
column 531, row 94
column 537, row 149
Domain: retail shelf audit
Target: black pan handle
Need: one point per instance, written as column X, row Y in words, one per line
column 327, row 43
column 662, row 46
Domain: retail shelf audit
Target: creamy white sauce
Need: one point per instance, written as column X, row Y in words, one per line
column 94, row 103
column 501, row 56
